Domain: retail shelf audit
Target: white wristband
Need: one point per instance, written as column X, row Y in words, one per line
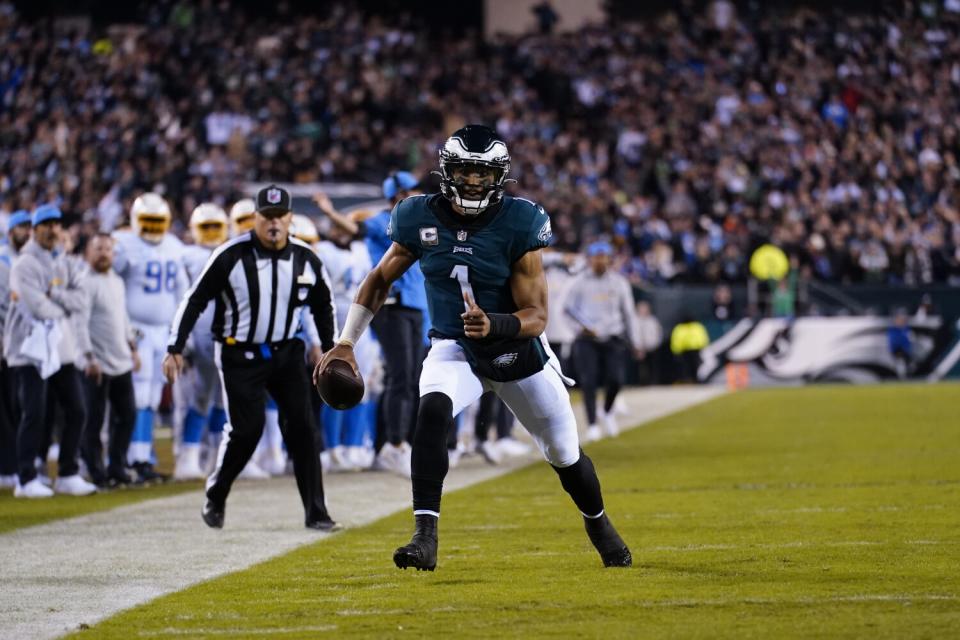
column 358, row 319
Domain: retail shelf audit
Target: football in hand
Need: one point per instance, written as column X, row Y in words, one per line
column 339, row 386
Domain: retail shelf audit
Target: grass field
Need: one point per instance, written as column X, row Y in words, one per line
column 824, row 511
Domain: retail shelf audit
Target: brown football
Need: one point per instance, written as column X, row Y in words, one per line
column 339, row 386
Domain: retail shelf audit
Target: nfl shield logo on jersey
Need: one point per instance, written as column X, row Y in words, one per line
column 273, row 196
column 461, row 236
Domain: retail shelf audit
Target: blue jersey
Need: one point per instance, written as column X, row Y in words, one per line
column 475, row 255
column 408, row 289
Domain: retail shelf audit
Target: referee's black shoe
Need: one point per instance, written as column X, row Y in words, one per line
column 213, row 514
column 421, row 553
column 324, row 523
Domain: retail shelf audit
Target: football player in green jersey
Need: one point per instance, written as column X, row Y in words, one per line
column 480, row 254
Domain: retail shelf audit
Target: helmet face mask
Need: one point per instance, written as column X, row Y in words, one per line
column 242, row 224
column 474, row 163
column 211, row 234
column 208, row 225
column 151, row 227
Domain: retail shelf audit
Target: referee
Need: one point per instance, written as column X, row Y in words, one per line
column 260, row 282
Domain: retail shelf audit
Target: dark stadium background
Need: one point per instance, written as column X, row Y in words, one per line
column 463, row 14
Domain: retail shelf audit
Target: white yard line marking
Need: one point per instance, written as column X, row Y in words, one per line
column 82, row 570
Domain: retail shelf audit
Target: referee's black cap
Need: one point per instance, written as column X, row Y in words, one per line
column 273, row 200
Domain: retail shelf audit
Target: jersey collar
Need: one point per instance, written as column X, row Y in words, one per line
column 282, row 254
column 452, row 220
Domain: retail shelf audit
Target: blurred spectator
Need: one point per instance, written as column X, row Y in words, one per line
column 18, row 232
column 692, row 138
column 783, row 300
column 547, row 17
column 686, row 341
column 8, row 417
column 925, row 308
column 651, row 337
column 900, row 344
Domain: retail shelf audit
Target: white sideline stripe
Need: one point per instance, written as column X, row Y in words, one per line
column 82, row 570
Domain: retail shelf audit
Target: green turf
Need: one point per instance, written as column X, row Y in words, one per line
column 17, row 513
column 814, row 512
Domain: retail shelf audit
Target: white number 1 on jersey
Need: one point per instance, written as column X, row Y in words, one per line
column 462, row 274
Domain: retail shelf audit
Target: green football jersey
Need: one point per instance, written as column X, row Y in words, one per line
column 458, row 255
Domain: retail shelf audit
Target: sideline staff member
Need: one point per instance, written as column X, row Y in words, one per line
column 260, row 281
column 601, row 302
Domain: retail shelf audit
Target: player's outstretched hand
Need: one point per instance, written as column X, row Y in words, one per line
column 323, row 202
column 172, row 366
column 340, row 352
column 476, row 324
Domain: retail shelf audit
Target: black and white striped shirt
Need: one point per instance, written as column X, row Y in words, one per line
column 259, row 294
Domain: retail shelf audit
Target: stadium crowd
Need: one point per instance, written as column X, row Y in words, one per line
column 687, row 140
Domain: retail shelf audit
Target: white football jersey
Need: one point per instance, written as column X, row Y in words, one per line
column 154, row 276
column 195, row 258
column 347, row 269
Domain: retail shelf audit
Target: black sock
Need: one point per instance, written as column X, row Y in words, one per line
column 581, row 482
column 610, row 397
column 429, row 462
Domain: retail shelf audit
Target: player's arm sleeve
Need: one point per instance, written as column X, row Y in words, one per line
column 535, row 234
column 211, row 282
column 82, row 320
column 120, row 258
column 183, row 279
column 401, row 231
column 28, row 283
column 320, row 302
column 71, row 295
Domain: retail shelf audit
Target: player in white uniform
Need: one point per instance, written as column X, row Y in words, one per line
column 199, row 389
column 150, row 261
column 349, row 434
column 241, row 216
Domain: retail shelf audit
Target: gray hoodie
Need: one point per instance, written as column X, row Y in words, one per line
column 44, row 285
column 4, row 293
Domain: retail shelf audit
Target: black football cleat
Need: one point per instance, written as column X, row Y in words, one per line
column 213, row 514
column 613, row 550
column 421, row 553
column 146, row 474
column 324, row 523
